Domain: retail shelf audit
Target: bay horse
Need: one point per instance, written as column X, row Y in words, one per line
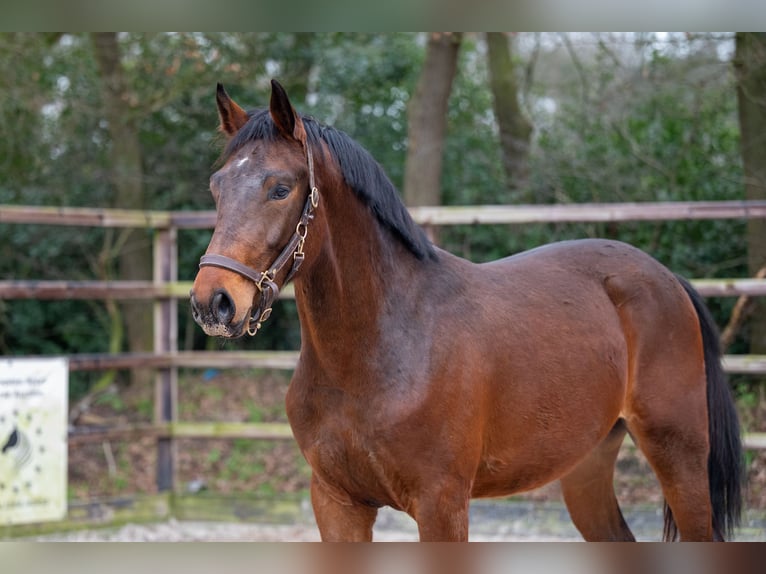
column 425, row 380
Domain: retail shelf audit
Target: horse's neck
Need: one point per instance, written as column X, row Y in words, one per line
column 360, row 272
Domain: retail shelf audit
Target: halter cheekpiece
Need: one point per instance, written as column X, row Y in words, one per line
column 265, row 281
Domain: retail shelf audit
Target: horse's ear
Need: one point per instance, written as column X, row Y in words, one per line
column 231, row 115
column 285, row 117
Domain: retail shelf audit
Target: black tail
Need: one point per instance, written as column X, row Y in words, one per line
column 725, row 462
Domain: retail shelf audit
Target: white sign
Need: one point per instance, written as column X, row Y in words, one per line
column 33, row 439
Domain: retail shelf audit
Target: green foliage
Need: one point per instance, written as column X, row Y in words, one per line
column 670, row 134
column 112, row 399
column 213, row 456
column 473, row 172
column 145, row 409
column 254, row 413
column 364, row 85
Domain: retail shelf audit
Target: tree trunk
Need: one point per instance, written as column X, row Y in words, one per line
column 750, row 64
column 515, row 129
column 126, row 174
column 427, row 121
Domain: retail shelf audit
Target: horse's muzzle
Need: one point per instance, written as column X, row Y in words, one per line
column 216, row 317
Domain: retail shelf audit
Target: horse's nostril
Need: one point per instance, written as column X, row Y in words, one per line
column 222, row 307
column 194, row 306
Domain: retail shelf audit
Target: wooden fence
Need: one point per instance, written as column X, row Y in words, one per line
column 166, row 291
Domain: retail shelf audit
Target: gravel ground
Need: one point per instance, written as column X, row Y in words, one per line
column 174, row 531
column 490, row 521
column 185, row 531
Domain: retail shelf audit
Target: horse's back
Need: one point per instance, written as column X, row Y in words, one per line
column 590, row 302
column 589, row 268
column 589, row 255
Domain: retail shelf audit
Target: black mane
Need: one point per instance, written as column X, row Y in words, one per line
column 360, row 171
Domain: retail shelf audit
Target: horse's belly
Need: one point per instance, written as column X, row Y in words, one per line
column 499, row 477
column 552, row 396
column 533, row 449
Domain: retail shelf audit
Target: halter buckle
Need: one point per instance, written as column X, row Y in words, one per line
column 265, row 276
column 301, row 230
column 314, row 197
column 265, row 314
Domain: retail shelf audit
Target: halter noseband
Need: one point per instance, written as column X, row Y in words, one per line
column 265, row 281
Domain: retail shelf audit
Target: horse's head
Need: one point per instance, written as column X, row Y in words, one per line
column 265, row 199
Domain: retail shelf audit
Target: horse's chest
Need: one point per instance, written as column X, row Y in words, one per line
column 346, row 452
column 351, row 468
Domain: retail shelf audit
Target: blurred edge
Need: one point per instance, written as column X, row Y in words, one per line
column 394, row 15
column 402, row 558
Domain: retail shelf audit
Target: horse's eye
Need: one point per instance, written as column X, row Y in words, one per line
column 279, row 192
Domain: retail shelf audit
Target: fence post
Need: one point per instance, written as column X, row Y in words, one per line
column 165, row 341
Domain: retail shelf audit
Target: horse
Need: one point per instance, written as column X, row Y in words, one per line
column 426, row 380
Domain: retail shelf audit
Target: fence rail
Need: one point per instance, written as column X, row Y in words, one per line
column 278, row 360
column 173, row 430
column 120, row 290
column 285, row 360
column 259, row 431
column 437, row 215
column 166, row 291
column 588, row 212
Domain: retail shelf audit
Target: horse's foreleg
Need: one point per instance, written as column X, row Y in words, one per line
column 339, row 521
column 442, row 515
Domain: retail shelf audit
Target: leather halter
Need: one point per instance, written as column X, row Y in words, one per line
column 265, row 281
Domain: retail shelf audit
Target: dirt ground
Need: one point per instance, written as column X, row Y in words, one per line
column 271, row 468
